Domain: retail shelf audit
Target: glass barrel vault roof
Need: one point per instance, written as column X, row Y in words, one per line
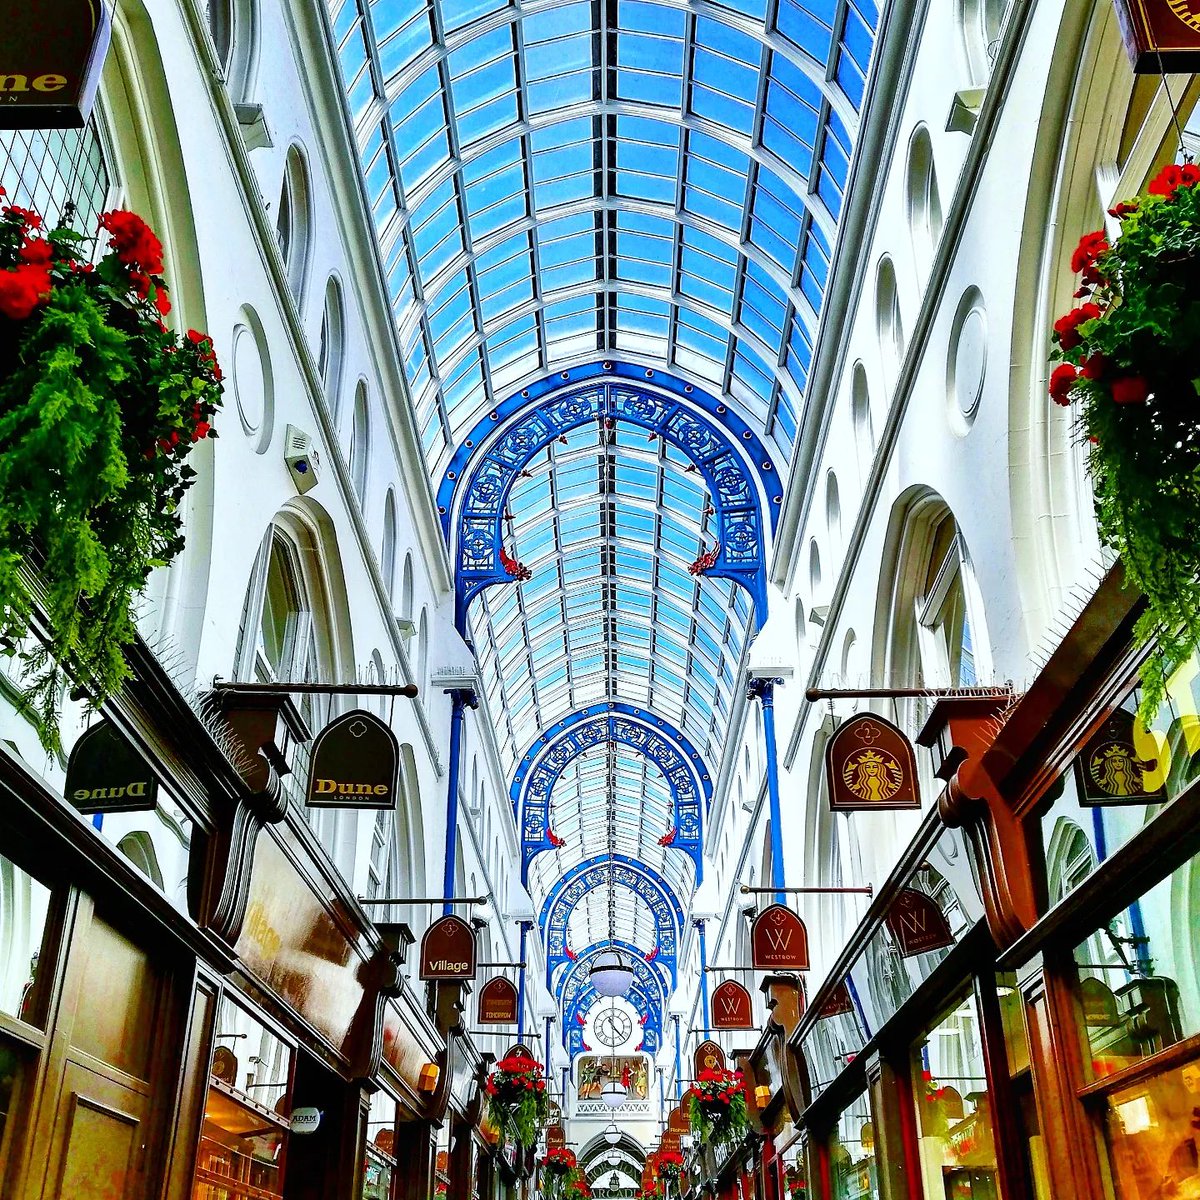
column 554, row 183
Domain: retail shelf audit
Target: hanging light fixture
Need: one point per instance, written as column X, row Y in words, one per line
column 610, row 974
column 613, row 1093
column 612, row 1135
column 612, row 1158
column 614, row 1183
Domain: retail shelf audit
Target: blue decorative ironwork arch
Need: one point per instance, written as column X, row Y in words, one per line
column 638, row 878
column 664, row 745
column 645, row 974
column 578, row 994
column 474, row 491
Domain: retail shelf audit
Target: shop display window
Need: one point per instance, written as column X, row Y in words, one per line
column 24, row 909
column 852, row 1154
column 379, row 1169
column 1139, row 977
column 1153, row 1133
column 954, row 1111
column 1120, row 779
column 243, row 1142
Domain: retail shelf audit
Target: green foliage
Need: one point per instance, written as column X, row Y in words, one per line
column 516, row 1100
column 717, row 1110
column 99, row 406
column 1129, row 359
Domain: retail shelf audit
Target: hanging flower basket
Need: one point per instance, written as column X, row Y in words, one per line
column 557, row 1167
column 1129, row 358
column 577, row 1186
column 100, row 406
column 517, row 1104
column 797, row 1181
column 669, row 1170
column 717, row 1108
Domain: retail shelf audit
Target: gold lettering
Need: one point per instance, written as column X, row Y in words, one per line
column 50, row 83
column 324, row 786
column 14, row 83
column 381, row 789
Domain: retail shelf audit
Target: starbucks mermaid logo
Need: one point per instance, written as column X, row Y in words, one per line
column 1188, row 11
column 872, row 775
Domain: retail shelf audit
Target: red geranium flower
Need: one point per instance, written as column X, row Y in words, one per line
column 1061, row 382
column 1130, row 389
column 22, row 289
column 1090, row 247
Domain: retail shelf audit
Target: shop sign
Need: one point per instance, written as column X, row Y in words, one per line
column 778, row 940
column 836, row 1003
column 670, row 1142
column 498, row 1002
column 1098, row 1002
column 448, row 950
column 731, row 1007
column 355, row 764
column 678, row 1122
column 870, row 765
column 105, row 774
column 225, row 1065
column 708, row 1057
column 305, row 1120
column 51, row 56
column 556, row 1137
column 917, row 924
column 1109, row 770
column 519, row 1050
column 1161, row 35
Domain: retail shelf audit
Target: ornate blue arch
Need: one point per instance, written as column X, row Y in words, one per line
column 628, row 873
column 575, row 978
column 474, row 491
column 664, row 745
column 647, row 995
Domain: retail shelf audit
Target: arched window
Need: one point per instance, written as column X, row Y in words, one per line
column 979, row 26
column 860, row 417
column 948, row 645
column 286, row 629
column 388, row 558
column 233, row 26
column 139, row 849
column 331, row 345
column 814, row 570
column 888, row 323
column 293, row 222
column 422, row 648
column 406, row 589
column 360, row 445
column 924, row 203
column 833, row 509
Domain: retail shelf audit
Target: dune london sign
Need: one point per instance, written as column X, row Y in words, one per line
column 105, row 774
column 355, row 764
column 51, row 56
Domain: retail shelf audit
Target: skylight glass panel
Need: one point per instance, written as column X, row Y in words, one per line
column 483, row 82
column 725, row 68
column 776, row 219
column 504, row 276
column 814, row 267
column 419, row 113
column 647, row 158
column 650, row 53
column 560, row 66
column 645, row 246
column 707, row 270
column 807, row 25
column 792, row 115
column 700, row 345
column 377, row 172
column 462, row 12
column 715, row 180
column 402, row 30
column 563, row 168
column 642, row 324
column 763, row 309
column 751, row 381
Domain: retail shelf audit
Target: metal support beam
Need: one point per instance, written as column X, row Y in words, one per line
column 900, row 693
column 460, row 700
column 807, row 891
column 409, row 690
column 448, row 900
column 764, row 691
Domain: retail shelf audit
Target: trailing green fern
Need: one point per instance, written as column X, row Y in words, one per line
column 100, row 405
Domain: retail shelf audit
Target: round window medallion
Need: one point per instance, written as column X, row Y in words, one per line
column 252, row 382
column 966, row 366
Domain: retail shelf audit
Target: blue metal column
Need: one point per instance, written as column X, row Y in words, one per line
column 460, row 699
column 546, row 1047
column 525, row 927
column 678, row 1063
column 703, row 977
column 764, row 691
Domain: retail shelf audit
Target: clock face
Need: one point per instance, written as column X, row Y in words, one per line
column 613, row 1027
column 1188, row 11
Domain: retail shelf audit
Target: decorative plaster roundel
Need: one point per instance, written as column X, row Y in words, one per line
column 967, row 365
column 252, row 385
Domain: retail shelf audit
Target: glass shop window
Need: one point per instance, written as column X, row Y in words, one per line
column 243, row 1143
column 954, row 1112
column 1153, row 1133
column 379, row 1170
column 24, row 909
column 1139, row 977
column 852, row 1154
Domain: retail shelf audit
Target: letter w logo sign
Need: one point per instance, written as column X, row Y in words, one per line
column 778, row 940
